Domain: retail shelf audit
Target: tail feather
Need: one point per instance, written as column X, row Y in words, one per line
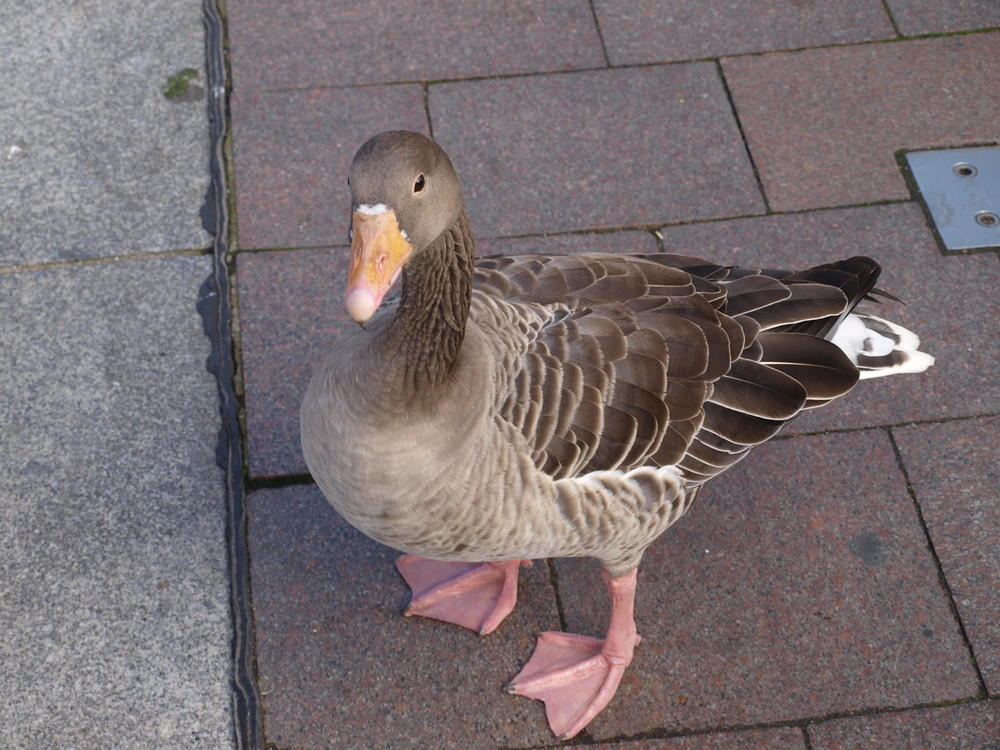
column 855, row 277
column 879, row 347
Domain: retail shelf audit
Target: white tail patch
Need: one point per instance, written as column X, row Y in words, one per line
column 879, row 347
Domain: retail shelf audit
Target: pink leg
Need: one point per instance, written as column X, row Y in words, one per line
column 477, row 596
column 575, row 675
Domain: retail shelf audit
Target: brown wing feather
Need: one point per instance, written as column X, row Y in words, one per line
column 621, row 368
column 667, row 359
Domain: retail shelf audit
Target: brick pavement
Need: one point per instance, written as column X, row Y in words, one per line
column 836, row 590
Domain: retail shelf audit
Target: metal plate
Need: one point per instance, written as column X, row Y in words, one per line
column 961, row 187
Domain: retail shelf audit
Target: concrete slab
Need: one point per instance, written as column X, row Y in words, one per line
column 798, row 585
column 646, row 31
column 340, row 667
column 929, row 17
column 597, row 149
column 339, row 43
column 96, row 159
column 951, row 303
column 823, row 124
column 955, row 476
column 113, row 575
column 293, row 152
column 974, row 725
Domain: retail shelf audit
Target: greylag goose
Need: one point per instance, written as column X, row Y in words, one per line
column 511, row 408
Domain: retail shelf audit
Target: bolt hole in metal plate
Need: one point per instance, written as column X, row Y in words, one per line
column 961, row 187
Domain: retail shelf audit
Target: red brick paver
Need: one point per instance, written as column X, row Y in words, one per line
column 779, row 738
column 644, row 31
column 823, row 124
column 930, row 16
column 833, row 591
column 294, row 149
column 594, row 149
column 955, row 474
column 799, row 584
column 952, row 728
column 342, row 668
column 343, row 42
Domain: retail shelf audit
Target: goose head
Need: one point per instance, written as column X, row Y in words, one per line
column 404, row 195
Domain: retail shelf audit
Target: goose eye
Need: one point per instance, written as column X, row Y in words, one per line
column 418, row 185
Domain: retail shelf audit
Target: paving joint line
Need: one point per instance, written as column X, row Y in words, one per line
column 892, row 18
column 715, row 59
column 554, row 583
column 427, row 109
column 867, row 427
column 802, row 723
column 217, row 316
column 942, row 578
column 743, row 136
column 293, row 479
column 600, row 34
column 652, row 228
column 105, row 260
column 279, row 481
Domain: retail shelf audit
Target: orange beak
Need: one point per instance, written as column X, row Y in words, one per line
column 378, row 252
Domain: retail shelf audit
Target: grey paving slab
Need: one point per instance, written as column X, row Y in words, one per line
column 951, row 303
column 798, row 585
column 823, row 124
column 340, row 42
column 340, row 667
column 970, row 726
column 113, row 572
column 594, row 149
column 95, row 159
column 644, row 31
column 930, row 17
column 955, row 474
column 293, row 151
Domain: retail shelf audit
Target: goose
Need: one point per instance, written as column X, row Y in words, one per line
column 514, row 408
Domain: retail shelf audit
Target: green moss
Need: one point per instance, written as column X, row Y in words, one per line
column 177, row 84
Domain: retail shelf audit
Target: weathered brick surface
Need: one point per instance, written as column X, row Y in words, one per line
column 644, row 31
column 340, row 42
column 955, row 475
column 607, row 148
column 948, row 728
column 823, row 124
column 799, row 584
column 802, row 583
